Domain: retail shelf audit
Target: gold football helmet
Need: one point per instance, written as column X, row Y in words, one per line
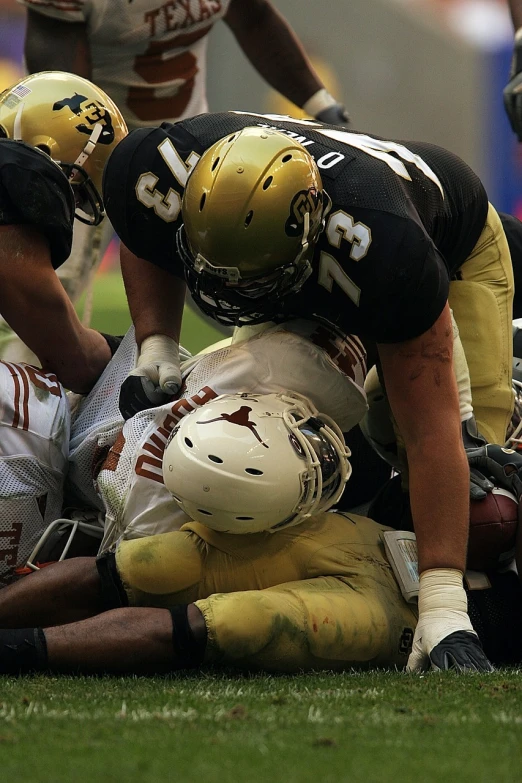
column 252, row 211
column 71, row 120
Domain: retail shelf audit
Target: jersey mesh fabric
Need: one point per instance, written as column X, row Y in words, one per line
column 96, row 425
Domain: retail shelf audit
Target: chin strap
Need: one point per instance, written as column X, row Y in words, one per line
column 89, row 148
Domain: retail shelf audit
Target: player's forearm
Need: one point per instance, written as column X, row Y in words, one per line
column 156, row 297
column 439, row 497
column 273, row 49
column 52, row 45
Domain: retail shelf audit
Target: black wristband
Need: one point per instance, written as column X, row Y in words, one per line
column 22, row 650
column 113, row 341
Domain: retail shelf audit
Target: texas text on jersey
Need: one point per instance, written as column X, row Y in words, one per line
column 35, row 191
column 404, row 217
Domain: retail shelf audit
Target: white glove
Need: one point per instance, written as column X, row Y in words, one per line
column 444, row 637
column 325, row 108
column 155, row 379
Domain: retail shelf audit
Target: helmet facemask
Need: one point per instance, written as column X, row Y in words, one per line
column 248, row 463
column 254, row 199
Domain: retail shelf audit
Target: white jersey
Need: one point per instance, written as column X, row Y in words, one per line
column 299, row 356
column 34, row 446
column 148, row 55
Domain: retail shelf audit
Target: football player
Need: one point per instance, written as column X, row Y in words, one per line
column 150, row 58
column 114, row 468
column 56, row 133
column 269, row 218
column 320, row 595
column 314, row 592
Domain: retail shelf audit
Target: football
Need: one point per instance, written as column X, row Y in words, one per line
column 493, row 528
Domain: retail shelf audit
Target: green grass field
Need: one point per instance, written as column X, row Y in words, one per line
column 215, row 728
column 210, row 728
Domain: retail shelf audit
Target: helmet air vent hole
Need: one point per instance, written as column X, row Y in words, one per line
column 215, row 459
column 204, row 511
column 3, row 132
column 248, row 218
column 215, row 163
column 286, row 158
column 189, row 443
column 254, row 471
column 202, row 201
column 267, row 183
column 244, row 519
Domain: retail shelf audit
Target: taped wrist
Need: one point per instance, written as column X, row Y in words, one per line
column 22, row 650
column 158, row 348
column 319, row 101
column 189, row 649
column 442, row 588
column 112, row 592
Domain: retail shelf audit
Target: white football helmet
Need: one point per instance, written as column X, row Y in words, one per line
column 245, row 463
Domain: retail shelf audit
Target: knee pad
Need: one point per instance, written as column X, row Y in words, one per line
column 112, row 591
column 189, row 644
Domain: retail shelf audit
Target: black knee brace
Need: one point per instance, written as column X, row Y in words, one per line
column 189, row 647
column 22, row 650
column 112, row 591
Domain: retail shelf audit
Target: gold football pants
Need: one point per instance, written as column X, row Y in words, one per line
column 482, row 305
column 321, row 595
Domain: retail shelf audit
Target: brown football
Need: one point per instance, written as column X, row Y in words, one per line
column 493, row 528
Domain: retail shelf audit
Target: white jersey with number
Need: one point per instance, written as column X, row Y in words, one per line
column 127, row 460
column 148, row 55
column 34, row 446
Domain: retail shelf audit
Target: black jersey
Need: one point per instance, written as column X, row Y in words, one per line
column 35, row 191
column 404, row 217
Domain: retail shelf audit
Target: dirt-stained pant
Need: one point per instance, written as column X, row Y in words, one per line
column 321, row 595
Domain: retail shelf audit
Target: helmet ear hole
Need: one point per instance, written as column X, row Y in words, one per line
column 3, row 132
column 44, row 148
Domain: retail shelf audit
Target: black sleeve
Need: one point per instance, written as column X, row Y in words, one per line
column 415, row 302
column 35, row 191
column 137, row 173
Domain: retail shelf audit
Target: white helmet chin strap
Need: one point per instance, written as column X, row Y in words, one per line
column 89, row 147
column 17, row 127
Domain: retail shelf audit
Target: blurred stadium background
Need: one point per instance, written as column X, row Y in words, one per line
column 411, row 69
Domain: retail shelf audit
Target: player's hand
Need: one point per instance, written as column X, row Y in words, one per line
column 502, row 466
column 479, row 485
column 513, row 89
column 334, row 115
column 156, row 378
column 444, row 637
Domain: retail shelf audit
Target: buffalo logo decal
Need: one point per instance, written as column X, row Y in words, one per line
column 92, row 113
column 303, row 202
column 241, row 418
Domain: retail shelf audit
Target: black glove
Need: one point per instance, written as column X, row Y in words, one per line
column 462, row 651
column 138, row 394
column 334, row 115
column 479, row 485
column 513, row 90
column 500, row 465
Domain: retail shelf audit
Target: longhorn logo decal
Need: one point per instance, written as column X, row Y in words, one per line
column 241, row 418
